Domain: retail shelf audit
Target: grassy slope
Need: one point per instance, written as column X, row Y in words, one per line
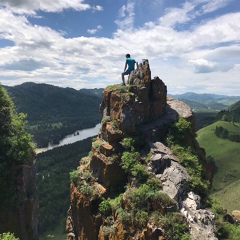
column 227, row 158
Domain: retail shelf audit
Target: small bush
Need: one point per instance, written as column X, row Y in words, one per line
column 215, row 206
column 156, row 218
column 141, row 217
column 123, row 89
column 8, row 236
column 178, row 132
column 175, row 227
column 140, row 173
column 105, row 207
column 74, row 176
column 128, row 143
column 97, row 144
column 123, row 216
column 116, row 203
column 105, row 119
column 154, row 183
column 87, row 175
column 140, row 198
column 228, row 231
column 88, row 190
column 163, row 198
column 129, row 159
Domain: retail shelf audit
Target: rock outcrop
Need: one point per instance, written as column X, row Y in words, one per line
column 131, row 179
column 174, row 178
column 137, row 104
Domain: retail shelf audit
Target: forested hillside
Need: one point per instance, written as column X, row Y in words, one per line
column 54, row 112
column 53, row 168
column 231, row 114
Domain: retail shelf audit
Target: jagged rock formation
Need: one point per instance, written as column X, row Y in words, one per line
column 142, row 102
column 175, row 183
column 157, row 184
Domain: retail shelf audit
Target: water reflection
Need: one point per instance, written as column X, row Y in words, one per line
column 72, row 138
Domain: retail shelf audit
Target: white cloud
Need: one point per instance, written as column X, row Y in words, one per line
column 126, row 16
column 95, row 30
column 25, row 6
column 177, row 15
column 219, row 30
column 203, row 66
column 97, row 8
column 17, row 29
column 214, row 5
column 198, row 58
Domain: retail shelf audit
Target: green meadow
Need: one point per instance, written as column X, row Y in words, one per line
column 226, row 154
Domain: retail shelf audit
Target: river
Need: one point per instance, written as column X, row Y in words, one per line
column 72, row 138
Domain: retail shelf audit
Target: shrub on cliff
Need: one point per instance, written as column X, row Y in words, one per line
column 105, row 207
column 179, row 132
column 8, row 236
column 187, row 156
column 131, row 161
column 176, row 227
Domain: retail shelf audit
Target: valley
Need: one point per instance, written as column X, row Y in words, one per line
column 53, row 169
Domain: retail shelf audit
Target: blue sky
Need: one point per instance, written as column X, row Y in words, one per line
column 193, row 46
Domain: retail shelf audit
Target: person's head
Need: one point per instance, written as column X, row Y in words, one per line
column 127, row 55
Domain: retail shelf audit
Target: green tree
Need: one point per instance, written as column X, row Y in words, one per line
column 105, row 207
column 225, row 118
column 15, row 146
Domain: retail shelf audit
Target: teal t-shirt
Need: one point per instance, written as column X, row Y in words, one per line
column 130, row 62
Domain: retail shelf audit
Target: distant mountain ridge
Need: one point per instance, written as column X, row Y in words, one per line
column 202, row 96
column 206, row 100
column 54, row 112
column 53, row 102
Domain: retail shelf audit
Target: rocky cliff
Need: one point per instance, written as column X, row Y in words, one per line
column 133, row 185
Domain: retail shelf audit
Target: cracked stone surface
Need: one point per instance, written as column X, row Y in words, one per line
column 174, row 178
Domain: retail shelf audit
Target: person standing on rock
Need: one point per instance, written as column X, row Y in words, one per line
column 129, row 66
